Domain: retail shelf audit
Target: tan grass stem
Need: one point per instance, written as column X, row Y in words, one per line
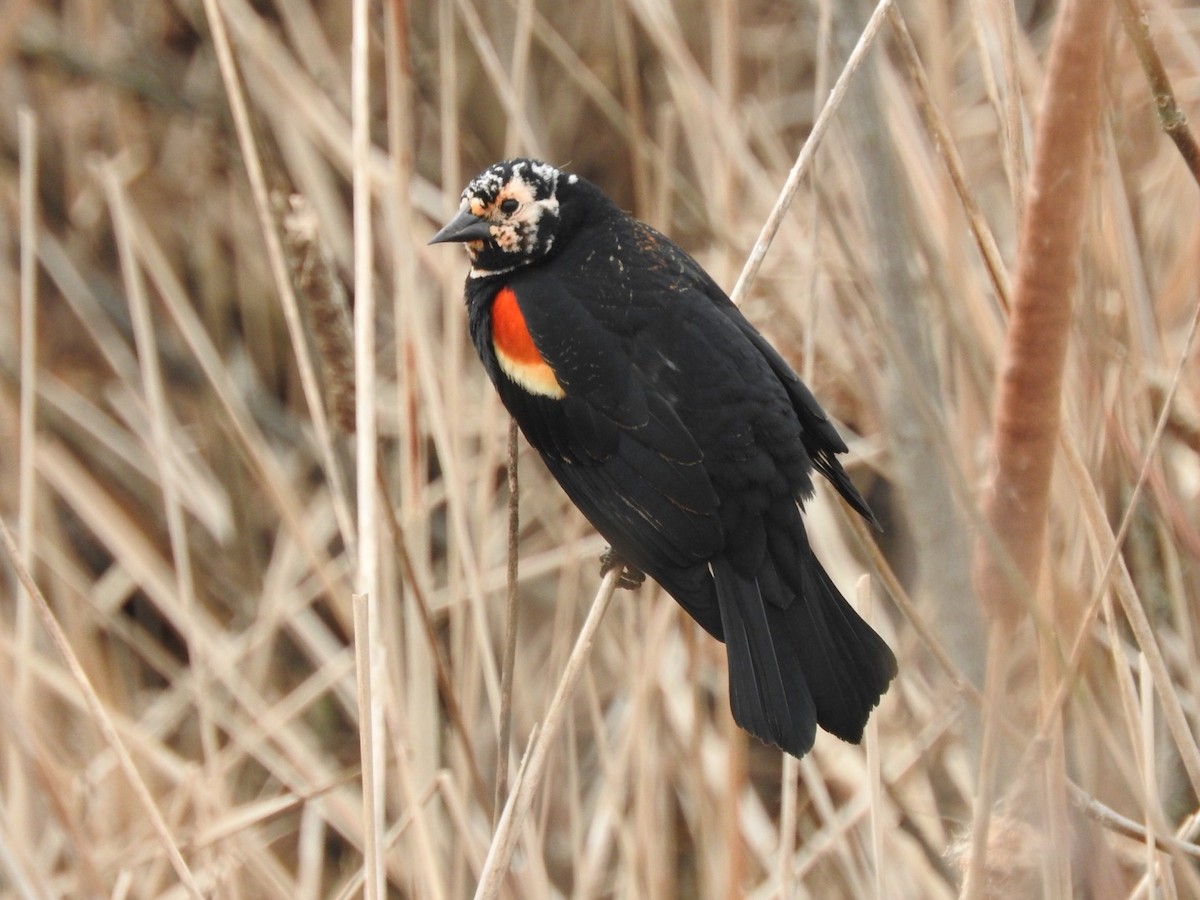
column 504, row 840
column 807, row 152
column 101, row 718
column 17, row 800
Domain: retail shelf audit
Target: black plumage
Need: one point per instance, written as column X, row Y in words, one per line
column 678, row 431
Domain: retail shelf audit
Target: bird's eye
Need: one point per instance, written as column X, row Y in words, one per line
column 509, row 206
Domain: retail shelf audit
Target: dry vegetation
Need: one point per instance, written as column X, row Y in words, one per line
column 179, row 211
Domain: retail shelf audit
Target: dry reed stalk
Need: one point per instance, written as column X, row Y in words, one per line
column 1149, row 781
column 510, row 99
column 419, row 668
column 528, row 780
column 368, row 635
column 511, row 613
column 841, row 85
column 1113, row 565
column 16, row 784
column 513, row 145
column 100, row 717
column 1139, row 624
column 1004, row 95
column 239, row 416
column 214, row 798
column 254, row 169
column 975, row 873
column 445, row 684
column 440, row 423
column 938, row 127
column 1174, row 121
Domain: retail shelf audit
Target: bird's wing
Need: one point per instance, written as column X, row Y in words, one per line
column 818, row 434
column 614, row 442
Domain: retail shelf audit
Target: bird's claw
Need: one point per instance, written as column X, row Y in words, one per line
column 630, row 578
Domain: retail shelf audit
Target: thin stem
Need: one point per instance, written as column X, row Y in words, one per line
column 100, row 716
column 755, row 260
column 1174, row 122
column 504, row 841
column 511, row 609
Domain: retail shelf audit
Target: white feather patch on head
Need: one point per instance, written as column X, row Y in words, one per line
column 532, row 185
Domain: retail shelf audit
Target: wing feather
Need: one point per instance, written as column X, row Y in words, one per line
column 615, row 442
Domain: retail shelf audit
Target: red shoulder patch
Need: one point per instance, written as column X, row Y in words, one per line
column 509, row 331
column 516, row 352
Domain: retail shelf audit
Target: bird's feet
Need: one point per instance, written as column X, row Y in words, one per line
column 630, row 578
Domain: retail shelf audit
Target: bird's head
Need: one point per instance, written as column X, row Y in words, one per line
column 509, row 215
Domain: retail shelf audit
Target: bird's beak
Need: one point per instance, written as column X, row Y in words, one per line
column 463, row 227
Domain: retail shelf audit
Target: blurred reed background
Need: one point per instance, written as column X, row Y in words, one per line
column 187, row 500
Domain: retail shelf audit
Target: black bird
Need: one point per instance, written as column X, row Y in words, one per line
column 678, row 431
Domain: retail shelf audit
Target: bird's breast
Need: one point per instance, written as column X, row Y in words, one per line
column 516, row 352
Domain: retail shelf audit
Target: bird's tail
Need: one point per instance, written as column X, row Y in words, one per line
column 799, row 655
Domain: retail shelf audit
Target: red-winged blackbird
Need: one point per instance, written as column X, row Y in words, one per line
column 677, row 430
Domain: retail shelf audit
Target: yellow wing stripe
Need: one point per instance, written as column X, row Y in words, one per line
column 515, row 350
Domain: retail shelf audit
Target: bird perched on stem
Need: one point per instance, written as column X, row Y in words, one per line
column 678, row 431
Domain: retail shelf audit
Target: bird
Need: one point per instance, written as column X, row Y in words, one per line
column 678, row 431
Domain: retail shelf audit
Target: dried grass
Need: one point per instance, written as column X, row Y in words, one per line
column 180, row 475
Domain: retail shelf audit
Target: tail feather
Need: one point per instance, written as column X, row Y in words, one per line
column 846, row 664
column 767, row 686
column 799, row 655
